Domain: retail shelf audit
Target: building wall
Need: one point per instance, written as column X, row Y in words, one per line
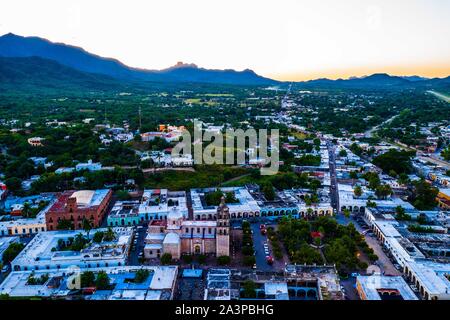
column 114, row 221
column 223, row 245
column 94, row 214
column 173, row 248
column 27, row 229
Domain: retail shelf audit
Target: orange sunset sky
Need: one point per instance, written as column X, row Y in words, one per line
column 282, row 39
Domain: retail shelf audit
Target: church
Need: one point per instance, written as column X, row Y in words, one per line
column 178, row 235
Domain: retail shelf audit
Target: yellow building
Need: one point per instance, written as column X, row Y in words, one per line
column 443, row 199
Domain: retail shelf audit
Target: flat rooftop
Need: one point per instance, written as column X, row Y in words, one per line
column 159, row 284
column 42, row 251
column 373, row 285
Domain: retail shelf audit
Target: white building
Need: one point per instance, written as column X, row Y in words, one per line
column 159, row 285
column 378, row 287
column 43, row 252
column 91, row 166
column 157, row 203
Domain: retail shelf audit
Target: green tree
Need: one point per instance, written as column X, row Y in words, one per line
column 383, row 191
column 342, row 153
column 98, row 236
column 353, row 175
column 269, row 192
column 370, row 204
column 12, row 251
column 223, row 260
column 248, row 289
column 109, row 235
column 123, row 195
column 357, row 191
column 166, row 259
column 249, row 261
column 87, row 226
column 394, row 160
column 14, row 184
column 141, row 275
column 403, row 179
column 346, row 213
column 65, row 224
column 446, row 154
column 102, row 281
column 424, row 195
column 26, row 210
column 87, row 279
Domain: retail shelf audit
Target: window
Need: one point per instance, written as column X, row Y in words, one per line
column 198, row 230
column 187, row 230
column 210, row 230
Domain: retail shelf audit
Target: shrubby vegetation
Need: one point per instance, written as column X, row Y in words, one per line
column 341, row 243
column 394, row 161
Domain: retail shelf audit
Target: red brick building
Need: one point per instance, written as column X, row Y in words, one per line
column 78, row 205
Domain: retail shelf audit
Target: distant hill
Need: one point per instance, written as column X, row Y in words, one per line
column 77, row 58
column 414, row 78
column 378, row 81
column 107, row 72
column 36, row 72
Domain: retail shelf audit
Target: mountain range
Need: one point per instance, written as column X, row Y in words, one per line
column 77, row 58
column 39, row 61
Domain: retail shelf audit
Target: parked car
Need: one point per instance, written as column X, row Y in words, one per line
column 5, row 268
column 263, row 232
column 269, row 260
column 262, row 226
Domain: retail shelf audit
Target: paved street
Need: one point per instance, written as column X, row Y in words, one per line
column 134, row 254
column 334, row 192
column 258, row 243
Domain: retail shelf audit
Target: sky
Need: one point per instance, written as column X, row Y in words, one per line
column 281, row 39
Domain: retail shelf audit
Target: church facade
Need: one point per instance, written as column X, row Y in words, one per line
column 178, row 235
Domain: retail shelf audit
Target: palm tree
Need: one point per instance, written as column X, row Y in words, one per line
column 346, row 213
column 26, row 209
column 309, row 212
column 87, row 226
column 109, row 235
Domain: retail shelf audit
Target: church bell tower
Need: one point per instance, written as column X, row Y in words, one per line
column 223, row 230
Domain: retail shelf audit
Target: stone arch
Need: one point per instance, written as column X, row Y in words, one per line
column 311, row 293
column 301, row 293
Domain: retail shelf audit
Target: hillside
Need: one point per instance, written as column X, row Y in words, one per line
column 77, row 58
